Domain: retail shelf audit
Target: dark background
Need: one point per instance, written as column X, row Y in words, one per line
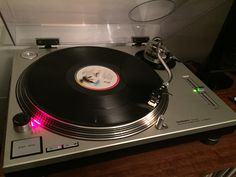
column 222, row 58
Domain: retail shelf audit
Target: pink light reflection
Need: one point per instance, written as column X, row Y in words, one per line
column 36, row 121
column 32, row 124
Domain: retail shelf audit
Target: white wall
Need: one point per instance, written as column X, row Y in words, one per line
column 195, row 41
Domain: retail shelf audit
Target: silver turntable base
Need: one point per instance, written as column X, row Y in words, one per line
column 193, row 108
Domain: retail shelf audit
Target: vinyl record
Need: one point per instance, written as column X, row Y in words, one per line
column 89, row 86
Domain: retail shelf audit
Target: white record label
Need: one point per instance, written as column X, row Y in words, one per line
column 95, row 77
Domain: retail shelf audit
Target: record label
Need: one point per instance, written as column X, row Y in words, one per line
column 95, row 77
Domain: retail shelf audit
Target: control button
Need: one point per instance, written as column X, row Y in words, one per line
column 26, row 147
column 21, row 122
column 53, row 148
column 70, row 145
column 29, row 55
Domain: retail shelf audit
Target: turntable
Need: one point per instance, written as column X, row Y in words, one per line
column 71, row 102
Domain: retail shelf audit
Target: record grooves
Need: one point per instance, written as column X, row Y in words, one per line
column 91, row 93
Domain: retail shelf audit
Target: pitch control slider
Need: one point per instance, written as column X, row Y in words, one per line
column 200, row 90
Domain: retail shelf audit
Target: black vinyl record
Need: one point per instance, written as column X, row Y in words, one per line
column 91, row 86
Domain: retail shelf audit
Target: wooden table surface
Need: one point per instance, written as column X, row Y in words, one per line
column 192, row 159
